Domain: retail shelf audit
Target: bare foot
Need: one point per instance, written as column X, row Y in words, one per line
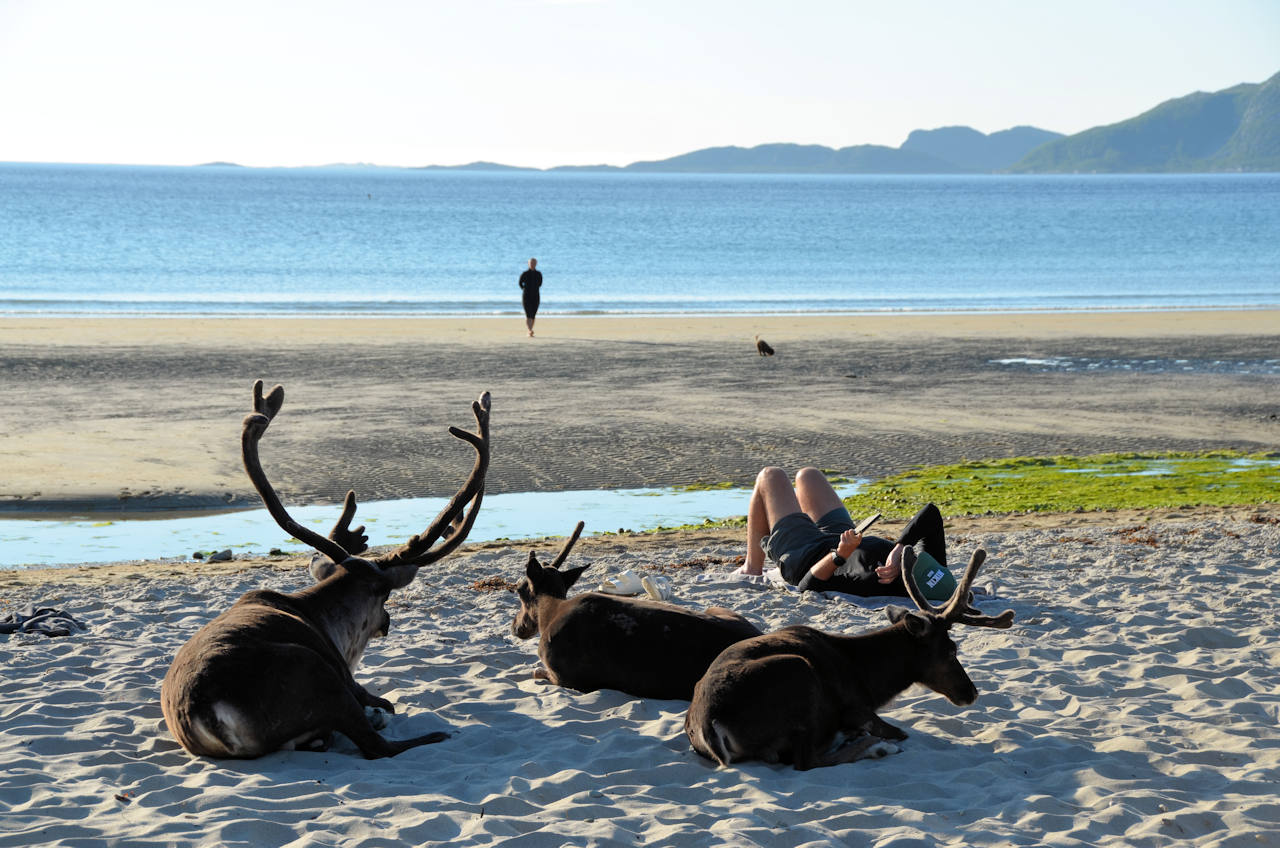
column 746, row 569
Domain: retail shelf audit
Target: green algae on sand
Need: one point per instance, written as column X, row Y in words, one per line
column 1071, row 483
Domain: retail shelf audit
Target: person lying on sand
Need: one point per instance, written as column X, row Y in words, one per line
column 806, row 531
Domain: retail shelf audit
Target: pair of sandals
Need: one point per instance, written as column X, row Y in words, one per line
column 629, row 583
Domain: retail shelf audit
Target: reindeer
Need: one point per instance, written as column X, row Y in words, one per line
column 595, row 641
column 784, row 697
column 274, row 670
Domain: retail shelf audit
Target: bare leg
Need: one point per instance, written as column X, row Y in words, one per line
column 815, row 494
column 528, row 322
column 772, row 498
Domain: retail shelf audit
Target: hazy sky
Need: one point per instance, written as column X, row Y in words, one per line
column 546, row 82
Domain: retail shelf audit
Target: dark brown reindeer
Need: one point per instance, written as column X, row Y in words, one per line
column 784, row 697
column 595, row 641
column 274, row 670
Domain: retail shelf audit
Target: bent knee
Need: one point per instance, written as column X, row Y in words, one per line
column 809, row 475
column 772, row 475
column 931, row 511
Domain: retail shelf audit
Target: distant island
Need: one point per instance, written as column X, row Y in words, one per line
column 950, row 150
column 1236, row 129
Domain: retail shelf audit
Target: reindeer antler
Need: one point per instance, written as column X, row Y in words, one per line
column 255, row 424
column 568, row 546
column 355, row 541
column 418, row 550
column 960, row 607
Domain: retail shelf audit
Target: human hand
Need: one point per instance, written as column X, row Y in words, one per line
column 849, row 541
column 892, row 567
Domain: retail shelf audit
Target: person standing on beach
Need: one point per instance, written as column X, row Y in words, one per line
column 530, row 285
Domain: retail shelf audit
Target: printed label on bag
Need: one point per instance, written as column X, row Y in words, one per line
column 931, row 578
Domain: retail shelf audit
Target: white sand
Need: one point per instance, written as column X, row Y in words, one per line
column 1134, row 702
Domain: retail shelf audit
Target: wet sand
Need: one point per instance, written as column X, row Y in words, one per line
column 114, row 416
column 1132, row 703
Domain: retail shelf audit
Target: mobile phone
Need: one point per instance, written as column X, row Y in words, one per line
column 866, row 523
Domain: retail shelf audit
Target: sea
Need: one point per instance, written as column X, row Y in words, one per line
column 230, row 241
column 121, row 241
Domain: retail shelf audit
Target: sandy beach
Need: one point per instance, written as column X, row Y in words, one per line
column 1133, row 703
column 118, row 415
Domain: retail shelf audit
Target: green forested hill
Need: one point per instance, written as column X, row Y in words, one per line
column 1236, row 129
column 970, row 150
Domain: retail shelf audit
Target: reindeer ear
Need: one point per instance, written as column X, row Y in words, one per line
column 918, row 623
column 400, row 575
column 895, row 612
column 321, row 567
column 533, row 568
column 571, row 575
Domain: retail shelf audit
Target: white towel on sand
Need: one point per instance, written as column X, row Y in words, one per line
column 772, row 579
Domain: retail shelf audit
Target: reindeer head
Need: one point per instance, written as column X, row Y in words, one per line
column 941, row 670
column 354, row 588
column 544, row 581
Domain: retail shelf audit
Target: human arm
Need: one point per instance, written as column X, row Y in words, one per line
column 824, row 568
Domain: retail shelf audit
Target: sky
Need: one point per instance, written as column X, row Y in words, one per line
column 551, row 82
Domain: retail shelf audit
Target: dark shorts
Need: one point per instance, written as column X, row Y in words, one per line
column 797, row 542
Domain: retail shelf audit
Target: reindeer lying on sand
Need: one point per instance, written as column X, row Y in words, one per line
column 595, row 641
column 274, row 671
column 784, row 697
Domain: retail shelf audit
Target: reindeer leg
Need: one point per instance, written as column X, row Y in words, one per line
column 354, row 724
column 877, row 726
column 368, row 699
column 864, row 747
column 319, row 743
column 864, row 721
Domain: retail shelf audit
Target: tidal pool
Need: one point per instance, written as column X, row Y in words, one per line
column 521, row 515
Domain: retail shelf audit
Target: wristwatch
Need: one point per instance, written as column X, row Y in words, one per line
column 837, row 559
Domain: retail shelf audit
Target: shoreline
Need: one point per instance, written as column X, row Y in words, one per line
column 131, row 416
column 624, row 314
column 655, row 542
column 1138, row 323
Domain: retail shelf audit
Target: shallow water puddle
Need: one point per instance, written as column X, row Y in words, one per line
column 1084, row 363
column 519, row 515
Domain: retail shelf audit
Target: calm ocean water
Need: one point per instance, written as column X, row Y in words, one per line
column 220, row 240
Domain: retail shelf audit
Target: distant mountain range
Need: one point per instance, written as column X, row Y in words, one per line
column 1237, row 129
column 950, row 150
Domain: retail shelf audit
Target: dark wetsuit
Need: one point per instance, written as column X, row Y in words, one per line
column 531, row 283
column 797, row 542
